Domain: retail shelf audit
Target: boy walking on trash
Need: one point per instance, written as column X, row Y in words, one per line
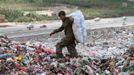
column 69, row 39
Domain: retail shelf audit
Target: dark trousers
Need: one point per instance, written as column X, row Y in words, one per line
column 70, row 47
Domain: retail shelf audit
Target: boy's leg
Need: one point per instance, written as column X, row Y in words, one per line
column 72, row 50
column 59, row 48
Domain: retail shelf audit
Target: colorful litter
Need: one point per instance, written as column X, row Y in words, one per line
column 38, row 58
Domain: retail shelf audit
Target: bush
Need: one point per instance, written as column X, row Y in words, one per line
column 17, row 15
column 41, row 17
column 34, row 17
column 10, row 14
column 24, row 19
column 49, row 17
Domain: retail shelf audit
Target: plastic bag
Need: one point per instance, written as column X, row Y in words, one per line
column 78, row 27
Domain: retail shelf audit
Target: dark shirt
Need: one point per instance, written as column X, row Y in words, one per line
column 67, row 27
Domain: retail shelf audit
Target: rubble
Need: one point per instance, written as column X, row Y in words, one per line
column 107, row 52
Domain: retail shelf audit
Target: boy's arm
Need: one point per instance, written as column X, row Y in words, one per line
column 57, row 30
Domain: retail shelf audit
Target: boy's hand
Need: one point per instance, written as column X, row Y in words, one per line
column 51, row 33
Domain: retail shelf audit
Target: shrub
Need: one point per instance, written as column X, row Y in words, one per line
column 34, row 17
column 41, row 17
column 17, row 15
column 24, row 19
column 10, row 14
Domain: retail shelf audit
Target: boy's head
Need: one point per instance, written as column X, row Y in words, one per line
column 62, row 15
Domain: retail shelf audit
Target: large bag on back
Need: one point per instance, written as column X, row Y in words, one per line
column 78, row 27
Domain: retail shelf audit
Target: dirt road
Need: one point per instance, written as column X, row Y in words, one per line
column 20, row 30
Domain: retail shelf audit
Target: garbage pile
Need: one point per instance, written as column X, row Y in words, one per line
column 98, row 57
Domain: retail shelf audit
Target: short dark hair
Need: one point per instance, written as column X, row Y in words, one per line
column 62, row 13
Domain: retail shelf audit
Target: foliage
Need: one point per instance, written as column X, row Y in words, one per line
column 34, row 17
column 13, row 9
column 11, row 14
column 24, row 19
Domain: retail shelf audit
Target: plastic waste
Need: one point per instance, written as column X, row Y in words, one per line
column 94, row 57
column 79, row 29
